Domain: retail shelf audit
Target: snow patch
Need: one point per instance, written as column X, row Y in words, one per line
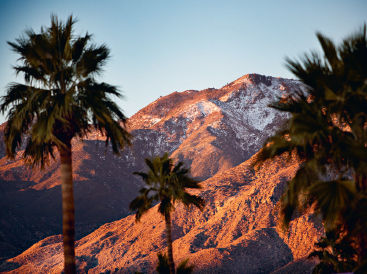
column 200, row 109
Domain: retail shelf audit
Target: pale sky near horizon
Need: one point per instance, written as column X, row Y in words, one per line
column 158, row 47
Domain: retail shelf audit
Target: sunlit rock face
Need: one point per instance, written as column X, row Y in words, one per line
column 215, row 129
column 236, row 233
column 212, row 131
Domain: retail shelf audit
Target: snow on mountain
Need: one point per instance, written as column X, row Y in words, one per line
column 211, row 130
column 234, row 120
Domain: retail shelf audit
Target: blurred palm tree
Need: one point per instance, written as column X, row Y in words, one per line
column 335, row 253
column 59, row 100
column 327, row 131
column 165, row 183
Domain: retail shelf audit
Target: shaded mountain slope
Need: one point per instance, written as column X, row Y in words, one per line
column 215, row 129
column 236, row 232
column 31, row 211
column 211, row 130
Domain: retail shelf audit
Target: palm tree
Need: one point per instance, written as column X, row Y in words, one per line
column 327, row 132
column 336, row 254
column 60, row 100
column 163, row 265
column 165, row 183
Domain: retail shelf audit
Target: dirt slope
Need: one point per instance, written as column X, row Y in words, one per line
column 236, row 233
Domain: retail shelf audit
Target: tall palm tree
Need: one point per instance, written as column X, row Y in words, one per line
column 165, row 183
column 60, row 100
column 327, row 131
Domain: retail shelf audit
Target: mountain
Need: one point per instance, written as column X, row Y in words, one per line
column 30, row 200
column 210, row 130
column 236, row 233
column 215, row 129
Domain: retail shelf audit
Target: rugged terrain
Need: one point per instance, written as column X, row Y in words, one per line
column 212, row 130
column 236, row 233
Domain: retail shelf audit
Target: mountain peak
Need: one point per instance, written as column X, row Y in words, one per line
column 251, row 79
column 214, row 132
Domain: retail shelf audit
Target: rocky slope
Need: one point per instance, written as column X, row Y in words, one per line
column 225, row 126
column 30, row 201
column 236, row 232
column 211, row 130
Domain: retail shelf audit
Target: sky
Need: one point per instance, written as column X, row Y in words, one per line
column 158, row 47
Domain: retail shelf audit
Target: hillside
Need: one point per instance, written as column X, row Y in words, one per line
column 210, row 130
column 236, row 233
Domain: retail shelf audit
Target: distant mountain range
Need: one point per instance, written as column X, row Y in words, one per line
column 215, row 132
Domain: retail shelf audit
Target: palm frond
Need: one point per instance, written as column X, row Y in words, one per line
column 332, row 197
column 60, row 99
column 167, row 183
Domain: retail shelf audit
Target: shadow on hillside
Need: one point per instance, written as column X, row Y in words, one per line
column 86, row 262
column 28, row 215
column 8, row 266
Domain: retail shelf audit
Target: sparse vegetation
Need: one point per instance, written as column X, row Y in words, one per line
column 327, row 131
column 163, row 266
column 165, row 183
column 60, row 100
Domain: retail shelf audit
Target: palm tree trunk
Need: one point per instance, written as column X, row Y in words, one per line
column 361, row 184
column 363, row 236
column 171, row 263
column 364, row 183
column 363, row 241
column 68, row 219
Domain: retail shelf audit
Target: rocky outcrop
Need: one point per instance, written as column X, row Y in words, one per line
column 236, row 233
column 211, row 130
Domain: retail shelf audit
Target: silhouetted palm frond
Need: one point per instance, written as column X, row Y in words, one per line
column 166, row 183
column 327, row 132
column 59, row 100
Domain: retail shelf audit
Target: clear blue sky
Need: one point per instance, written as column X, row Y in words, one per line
column 163, row 46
